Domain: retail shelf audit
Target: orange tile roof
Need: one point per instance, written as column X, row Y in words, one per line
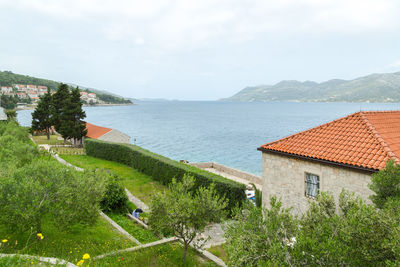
column 94, row 131
column 366, row 140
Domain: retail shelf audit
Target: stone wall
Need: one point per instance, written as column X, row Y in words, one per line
column 115, row 136
column 285, row 177
column 251, row 178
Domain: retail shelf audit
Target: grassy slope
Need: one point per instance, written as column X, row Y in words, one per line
column 163, row 255
column 143, row 235
column 95, row 240
column 139, row 184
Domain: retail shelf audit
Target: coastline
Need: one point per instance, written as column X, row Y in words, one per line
column 32, row 107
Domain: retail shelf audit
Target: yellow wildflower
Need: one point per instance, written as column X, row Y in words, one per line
column 80, row 262
column 40, row 235
column 86, row 256
column 4, row 240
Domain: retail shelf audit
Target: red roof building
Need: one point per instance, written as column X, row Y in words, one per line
column 95, row 132
column 340, row 154
column 106, row 134
column 363, row 140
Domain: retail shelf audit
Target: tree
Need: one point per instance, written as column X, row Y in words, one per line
column 386, row 184
column 71, row 118
column 185, row 213
column 77, row 115
column 44, row 188
column 260, row 236
column 42, row 116
column 60, row 100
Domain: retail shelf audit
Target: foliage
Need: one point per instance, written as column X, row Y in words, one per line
column 115, row 198
column 11, row 114
column 350, row 234
column 59, row 109
column 7, row 78
column 15, row 146
column 258, row 196
column 41, row 116
column 386, row 184
column 71, row 117
column 112, row 99
column 184, row 212
column 163, row 169
column 260, row 237
column 8, row 102
column 43, row 187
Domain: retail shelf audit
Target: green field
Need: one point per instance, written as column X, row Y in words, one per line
column 163, row 255
column 68, row 245
column 139, row 184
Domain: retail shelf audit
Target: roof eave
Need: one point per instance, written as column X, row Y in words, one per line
column 328, row 162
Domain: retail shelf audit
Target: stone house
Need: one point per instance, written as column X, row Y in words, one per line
column 106, row 134
column 340, row 154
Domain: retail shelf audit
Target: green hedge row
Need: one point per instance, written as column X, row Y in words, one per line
column 164, row 169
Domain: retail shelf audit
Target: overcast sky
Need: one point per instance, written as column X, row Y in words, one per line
column 197, row 50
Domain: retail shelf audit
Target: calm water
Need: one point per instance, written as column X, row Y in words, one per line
column 227, row 133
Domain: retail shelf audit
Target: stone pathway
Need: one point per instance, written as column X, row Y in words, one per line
column 137, row 201
column 159, row 242
column 215, row 235
column 119, row 228
column 233, row 177
column 53, row 261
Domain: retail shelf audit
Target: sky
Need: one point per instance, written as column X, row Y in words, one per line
column 197, row 50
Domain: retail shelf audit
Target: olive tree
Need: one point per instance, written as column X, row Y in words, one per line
column 386, row 184
column 44, row 187
column 185, row 212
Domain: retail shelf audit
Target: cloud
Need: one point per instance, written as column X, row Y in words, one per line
column 180, row 24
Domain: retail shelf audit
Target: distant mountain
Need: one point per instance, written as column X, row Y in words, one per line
column 8, row 78
column 372, row 88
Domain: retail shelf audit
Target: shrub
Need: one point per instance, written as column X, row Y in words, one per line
column 115, row 198
column 164, row 169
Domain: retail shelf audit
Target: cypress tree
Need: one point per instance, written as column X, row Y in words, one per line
column 42, row 117
column 59, row 110
column 72, row 125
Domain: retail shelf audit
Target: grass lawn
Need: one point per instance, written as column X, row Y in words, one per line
column 157, row 256
column 42, row 139
column 23, row 262
column 138, row 232
column 95, row 240
column 220, row 252
column 139, row 184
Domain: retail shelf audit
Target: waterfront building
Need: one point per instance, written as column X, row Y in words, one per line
column 340, row 154
column 106, row 134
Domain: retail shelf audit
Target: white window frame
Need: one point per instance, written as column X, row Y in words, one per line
column 312, row 184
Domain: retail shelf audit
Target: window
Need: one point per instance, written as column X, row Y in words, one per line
column 312, row 185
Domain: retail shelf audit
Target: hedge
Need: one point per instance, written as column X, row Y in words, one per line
column 164, row 169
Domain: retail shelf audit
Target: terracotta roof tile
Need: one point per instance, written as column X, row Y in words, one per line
column 94, row 131
column 364, row 139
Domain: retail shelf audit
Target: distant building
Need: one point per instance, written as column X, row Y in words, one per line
column 340, row 154
column 106, row 134
column 6, row 89
column 3, row 116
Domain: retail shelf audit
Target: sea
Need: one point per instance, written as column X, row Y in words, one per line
column 225, row 132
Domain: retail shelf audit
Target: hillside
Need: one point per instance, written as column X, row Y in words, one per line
column 7, row 78
column 372, row 88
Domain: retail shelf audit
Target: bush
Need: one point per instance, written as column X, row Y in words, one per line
column 115, row 198
column 164, row 169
